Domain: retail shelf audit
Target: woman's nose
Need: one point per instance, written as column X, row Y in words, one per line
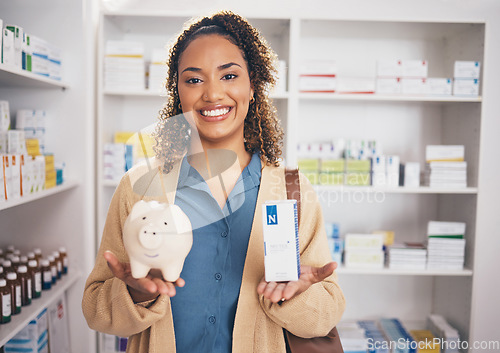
column 214, row 91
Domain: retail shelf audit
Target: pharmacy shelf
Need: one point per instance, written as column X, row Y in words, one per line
column 402, row 272
column 152, row 93
column 67, row 185
column 398, row 190
column 28, row 313
column 16, row 77
column 386, row 98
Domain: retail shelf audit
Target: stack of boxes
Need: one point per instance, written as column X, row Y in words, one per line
column 158, row 72
column 354, row 338
column 377, row 341
column 318, row 76
column 445, row 166
column 124, row 66
column 364, row 251
column 402, row 77
column 445, row 245
column 397, row 333
column 442, row 329
column 466, row 81
column 407, row 256
column 33, row 123
column 33, row 338
column 30, row 53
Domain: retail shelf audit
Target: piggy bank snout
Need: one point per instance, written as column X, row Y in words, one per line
column 150, row 237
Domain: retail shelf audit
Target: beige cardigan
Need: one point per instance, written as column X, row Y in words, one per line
column 108, row 307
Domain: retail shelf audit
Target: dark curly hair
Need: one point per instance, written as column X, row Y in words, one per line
column 262, row 131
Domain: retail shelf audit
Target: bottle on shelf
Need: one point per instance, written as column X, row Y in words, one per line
column 23, row 260
column 38, row 254
column 10, row 249
column 59, row 265
column 53, row 268
column 31, row 256
column 36, row 279
column 5, row 302
column 15, row 262
column 7, row 266
column 2, row 274
column 15, row 291
column 46, row 274
column 64, row 257
column 25, row 280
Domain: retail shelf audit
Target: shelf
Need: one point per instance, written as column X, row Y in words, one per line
column 402, row 272
column 398, row 190
column 67, row 185
column 15, row 77
column 150, row 93
column 386, row 98
column 28, row 313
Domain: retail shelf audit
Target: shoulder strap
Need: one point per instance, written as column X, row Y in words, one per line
column 293, row 187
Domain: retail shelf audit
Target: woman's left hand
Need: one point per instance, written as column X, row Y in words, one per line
column 279, row 291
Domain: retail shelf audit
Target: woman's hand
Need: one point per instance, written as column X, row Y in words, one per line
column 141, row 289
column 279, row 291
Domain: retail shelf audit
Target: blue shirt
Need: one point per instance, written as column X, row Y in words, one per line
column 204, row 309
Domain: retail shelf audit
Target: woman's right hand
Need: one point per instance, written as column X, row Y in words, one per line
column 141, row 289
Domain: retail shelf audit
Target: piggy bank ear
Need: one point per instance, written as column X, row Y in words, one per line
column 140, row 207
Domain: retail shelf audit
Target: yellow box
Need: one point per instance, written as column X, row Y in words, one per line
column 123, row 136
column 308, row 164
column 49, row 162
column 333, row 165
column 33, row 147
column 312, row 176
column 425, row 341
column 355, row 165
column 50, row 178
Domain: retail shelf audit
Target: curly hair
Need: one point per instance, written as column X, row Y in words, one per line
column 262, row 130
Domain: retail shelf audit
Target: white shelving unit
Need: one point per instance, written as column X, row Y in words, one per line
column 28, row 313
column 67, row 185
column 356, row 37
column 63, row 215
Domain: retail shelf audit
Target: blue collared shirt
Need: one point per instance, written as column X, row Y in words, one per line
column 204, row 309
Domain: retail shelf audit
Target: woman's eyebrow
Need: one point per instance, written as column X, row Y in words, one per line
column 228, row 65
column 194, row 69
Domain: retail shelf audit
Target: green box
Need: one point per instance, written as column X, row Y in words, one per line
column 313, row 176
column 308, row 164
column 326, row 178
column 358, row 179
column 333, row 165
column 355, row 165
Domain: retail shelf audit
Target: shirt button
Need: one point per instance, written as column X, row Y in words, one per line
column 218, row 276
column 223, row 234
column 211, row 319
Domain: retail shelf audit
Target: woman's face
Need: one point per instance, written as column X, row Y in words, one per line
column 214, row 85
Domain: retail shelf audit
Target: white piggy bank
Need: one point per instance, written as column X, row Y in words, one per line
column 157, row 235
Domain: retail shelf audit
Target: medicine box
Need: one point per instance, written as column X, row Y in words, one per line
column 439, row 86
column 33, row 338
column 467, row 69
column 327, row 84
column 318, row 67
column 389, row 68
column 414, row 68
column 8, row 54
column 364, row 259
column 466, row 87
column 444, row 153
column 388, row 86
column 415, row 86
column 364, row 241
column 4, row 116
column 412, row 174
column 281, row 240
column 356, row 85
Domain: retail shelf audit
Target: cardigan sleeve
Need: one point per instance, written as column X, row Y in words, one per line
column 107, row 305
column 317, row 310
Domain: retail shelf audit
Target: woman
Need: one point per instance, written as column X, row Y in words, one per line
column 217, row 153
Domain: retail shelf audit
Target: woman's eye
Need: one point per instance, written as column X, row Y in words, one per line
column 193, row 80
column 229, row 77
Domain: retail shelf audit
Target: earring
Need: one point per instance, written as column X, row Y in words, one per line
column 180, row 106
column 252, row 100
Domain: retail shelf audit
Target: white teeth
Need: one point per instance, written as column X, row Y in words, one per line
column 215, row 112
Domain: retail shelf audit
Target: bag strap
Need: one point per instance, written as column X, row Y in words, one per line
column 293, row 187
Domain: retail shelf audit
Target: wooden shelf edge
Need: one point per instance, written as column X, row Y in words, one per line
column 28, row 313
column 67, row 185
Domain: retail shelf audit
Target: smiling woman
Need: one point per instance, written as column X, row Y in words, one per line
column 217, row 159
